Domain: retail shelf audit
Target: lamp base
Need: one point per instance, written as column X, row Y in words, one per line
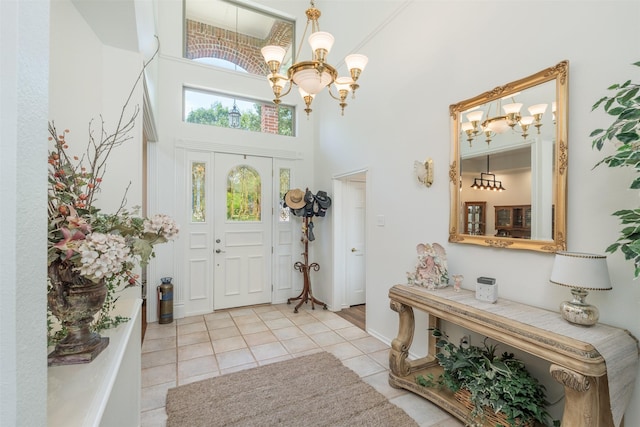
column 578, row 311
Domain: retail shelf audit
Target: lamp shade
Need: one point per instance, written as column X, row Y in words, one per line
column 581, row 270
column 467, row 126
column 537, row 109
column 343, row 83
column 273, row 53
column 526, row 120
column 310, row 81
column 475, row 116
column 304, row 94
column 321, row 40
column 512, row 108
column 356, row 61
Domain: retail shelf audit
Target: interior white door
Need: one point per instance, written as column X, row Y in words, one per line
column 356, row 256
column 243, row 227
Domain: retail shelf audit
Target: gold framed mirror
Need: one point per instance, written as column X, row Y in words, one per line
column 508, row 172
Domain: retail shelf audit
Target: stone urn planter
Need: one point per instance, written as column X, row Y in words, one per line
column 74, row 300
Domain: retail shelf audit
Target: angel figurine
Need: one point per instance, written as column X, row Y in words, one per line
column 457, row 281
column 431, row 268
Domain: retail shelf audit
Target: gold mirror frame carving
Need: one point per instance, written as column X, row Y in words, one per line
column 559, row 73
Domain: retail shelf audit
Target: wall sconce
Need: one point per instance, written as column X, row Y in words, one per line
column 424, row 171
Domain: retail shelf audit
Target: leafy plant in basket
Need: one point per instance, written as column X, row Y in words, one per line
column 492, row 384
column 624, row 133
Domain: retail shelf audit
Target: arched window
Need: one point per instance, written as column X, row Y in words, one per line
column 244, row 190
column 225, row 31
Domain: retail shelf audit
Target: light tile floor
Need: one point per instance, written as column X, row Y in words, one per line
column 199, row 347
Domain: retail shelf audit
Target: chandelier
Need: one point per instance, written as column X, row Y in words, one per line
column 490, row 184
column 314, row 75
column 500, row 123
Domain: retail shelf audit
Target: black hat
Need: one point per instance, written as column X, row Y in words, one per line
column 308, row 196
column 323, row 200
column 308, row 207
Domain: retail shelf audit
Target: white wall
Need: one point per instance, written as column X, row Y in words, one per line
column 90, row 82
column 437, row 54
column 24, row 67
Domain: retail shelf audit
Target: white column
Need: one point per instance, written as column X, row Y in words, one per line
column 24, row 100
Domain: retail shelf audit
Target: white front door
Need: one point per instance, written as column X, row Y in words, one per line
column 243, row 206
column 355, row 233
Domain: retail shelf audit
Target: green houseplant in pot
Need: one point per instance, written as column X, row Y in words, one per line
column 624, row 133
column 497, row 389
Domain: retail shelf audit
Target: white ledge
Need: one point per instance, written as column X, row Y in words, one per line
column 78, row 395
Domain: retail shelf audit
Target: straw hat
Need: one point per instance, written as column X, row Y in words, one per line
column 295, row 198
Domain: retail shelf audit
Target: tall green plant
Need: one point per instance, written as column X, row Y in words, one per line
column 624, row 133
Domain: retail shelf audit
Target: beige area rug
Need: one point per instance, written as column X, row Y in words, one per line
column 314, row 390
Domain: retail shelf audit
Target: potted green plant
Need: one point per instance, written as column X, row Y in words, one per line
column 624, row 133
column 496, row 389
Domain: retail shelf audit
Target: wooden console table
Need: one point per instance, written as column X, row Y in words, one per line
column 596, row 365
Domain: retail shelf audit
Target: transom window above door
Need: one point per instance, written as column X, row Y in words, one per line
column 217, row 109
column 228, row 34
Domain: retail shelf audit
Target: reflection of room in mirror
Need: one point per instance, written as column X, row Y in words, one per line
column 512, row 144
column 509, row 164
column 525, row 188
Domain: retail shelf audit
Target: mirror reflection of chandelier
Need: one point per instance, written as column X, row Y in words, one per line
column 486, row 183
column 498, row 124
column 313, row 76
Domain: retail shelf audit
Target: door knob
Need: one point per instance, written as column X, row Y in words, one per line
column 219, row 251
column 353, row 249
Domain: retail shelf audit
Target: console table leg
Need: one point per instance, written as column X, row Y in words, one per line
column 586, row 398
column 399, row 351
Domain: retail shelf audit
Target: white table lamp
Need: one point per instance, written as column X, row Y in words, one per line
column 581, row 272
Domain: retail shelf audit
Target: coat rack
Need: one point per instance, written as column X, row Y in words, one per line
column 304, row 267
column 307, row 205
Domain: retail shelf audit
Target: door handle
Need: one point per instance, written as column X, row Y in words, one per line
column 219, row 251
column 354, row 250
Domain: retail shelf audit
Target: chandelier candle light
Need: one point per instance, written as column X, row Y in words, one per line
column 313, row 76
column 581, row 272
column 491, row 184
